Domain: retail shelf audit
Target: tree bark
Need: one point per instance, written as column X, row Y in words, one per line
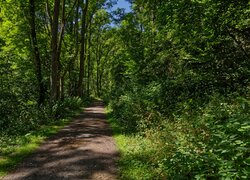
column 89, row 52
column 74, row 83
column 60, row 92
column 89, row 60
column 48, row 13
column 37, row 59
column 98, row 58
column 54, row 60
column 82, row 50
column 71, row 63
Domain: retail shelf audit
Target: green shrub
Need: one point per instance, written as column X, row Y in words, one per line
column 202, row 140
column 213, row 144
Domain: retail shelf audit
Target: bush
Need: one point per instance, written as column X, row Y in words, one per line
column 23, row 118
column 197, row 139
column 69, row 104
column 213, row 144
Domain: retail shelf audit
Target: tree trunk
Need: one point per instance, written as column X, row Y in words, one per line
column 82, row 50
column 48, row 13
column 89, row 55
column 98, row 57
column 59, row 49
column 38, row 66
column 62, row 87
column 71, row 64
column 89, row 60
column 74, row 87
column 54, row 60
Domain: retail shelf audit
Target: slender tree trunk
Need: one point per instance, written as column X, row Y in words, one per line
column 89, row 60
column 71, row 65
column 98, row 60
column 77, row 28
column 54, row 46
column 38, row 66
column 59, row 50
column 74, row 87
column 62, row 87
column 100, row 82
column 82, row 50
column 48, row 13
column 97, row 69
column 89, row 53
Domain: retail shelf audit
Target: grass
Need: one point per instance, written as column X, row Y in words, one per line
column 13, row 149
column 136, row 153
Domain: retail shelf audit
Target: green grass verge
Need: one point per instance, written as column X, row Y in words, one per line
column 13, row 149
column 136, row 153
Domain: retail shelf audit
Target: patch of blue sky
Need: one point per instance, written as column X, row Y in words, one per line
column 123, row 4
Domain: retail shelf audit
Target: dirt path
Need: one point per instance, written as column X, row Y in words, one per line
column 82, row 150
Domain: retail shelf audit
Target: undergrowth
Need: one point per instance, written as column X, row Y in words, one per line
column 135, row 161
column 209, row 141
column 21, row 138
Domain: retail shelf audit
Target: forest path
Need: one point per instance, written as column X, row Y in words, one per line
column 83, row 149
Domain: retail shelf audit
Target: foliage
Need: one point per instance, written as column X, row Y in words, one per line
column 27, row 99
column 29, row 126
column 176, row 74
column 213, row 143
column 180, row 81
column 136, row 153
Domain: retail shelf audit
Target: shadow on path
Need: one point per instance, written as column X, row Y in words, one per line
column 84, row 149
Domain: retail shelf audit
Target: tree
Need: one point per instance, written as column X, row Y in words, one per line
column 82, row 50
column 37, row 58
column 55, row 60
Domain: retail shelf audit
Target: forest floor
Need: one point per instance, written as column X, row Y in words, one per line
column 83, row 149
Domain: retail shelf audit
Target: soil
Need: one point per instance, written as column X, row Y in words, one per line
column 84, row 149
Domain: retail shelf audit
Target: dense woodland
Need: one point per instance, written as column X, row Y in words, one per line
column 174, row 72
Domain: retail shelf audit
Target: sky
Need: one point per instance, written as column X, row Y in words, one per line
column 123, row 4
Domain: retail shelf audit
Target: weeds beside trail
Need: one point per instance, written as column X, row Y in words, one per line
column 34, row 125
column 210, row 142
column 136, row 152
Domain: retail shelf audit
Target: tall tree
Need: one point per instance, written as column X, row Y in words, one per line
column 82, row 50
column 37, row 59
column 61, row 34
column 54, row 57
